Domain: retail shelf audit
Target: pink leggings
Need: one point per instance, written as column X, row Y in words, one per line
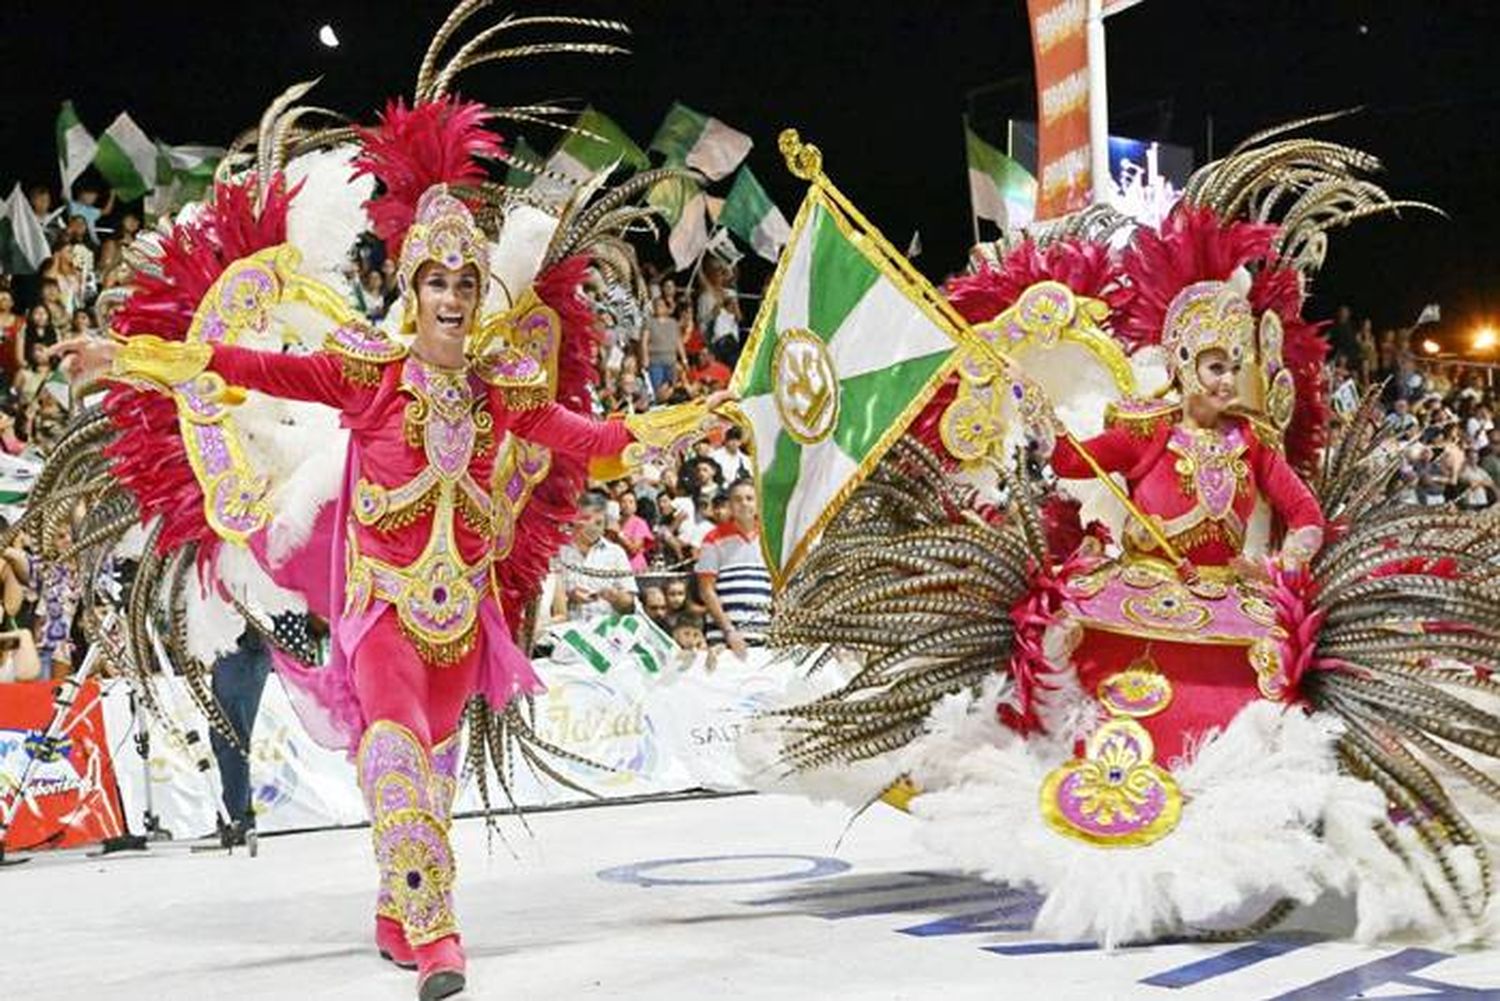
column 394, row 683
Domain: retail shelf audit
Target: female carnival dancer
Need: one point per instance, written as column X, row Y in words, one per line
column 1172, row 735
column 467, row 440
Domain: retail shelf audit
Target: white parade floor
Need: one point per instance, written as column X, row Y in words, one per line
column 745, row 897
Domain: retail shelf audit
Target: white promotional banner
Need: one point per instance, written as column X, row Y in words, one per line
column 702, row 714
column 294, row 783
column 661, row 733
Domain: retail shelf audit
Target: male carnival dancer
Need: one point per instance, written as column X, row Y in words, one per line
column 421, row 628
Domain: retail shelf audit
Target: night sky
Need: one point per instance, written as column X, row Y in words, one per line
column 880, row 86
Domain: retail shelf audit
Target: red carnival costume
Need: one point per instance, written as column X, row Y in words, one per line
column 1221, row 717
column 418, row 533
column 413, row 507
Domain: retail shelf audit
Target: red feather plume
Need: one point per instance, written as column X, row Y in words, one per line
column 1192, row 245
column 412, row 149
column 540, row 529
column 1086, row 268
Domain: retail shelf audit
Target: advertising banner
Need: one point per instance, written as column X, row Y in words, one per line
column 69, row 798
column 1060, row 48
column 654, row 733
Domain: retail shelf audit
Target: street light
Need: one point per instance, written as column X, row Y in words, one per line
column 1485, row 339
column 1430, row 346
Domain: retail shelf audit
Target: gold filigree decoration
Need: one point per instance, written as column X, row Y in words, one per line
column 1141, row 418
column 417, row 868
column 361, row 373
column 1167, row 604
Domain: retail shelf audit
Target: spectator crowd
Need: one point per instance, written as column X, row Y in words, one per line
column 1442, row 412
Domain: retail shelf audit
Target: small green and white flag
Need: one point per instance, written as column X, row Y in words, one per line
column 750, row 214
column 618, row 639
column 846, row 350
column 598, row 144
column 183, row 174
column 23, row 243
column 684, row 207
column 1000, row 189
column 127, row 158
column 700, row 141
column 75, row 147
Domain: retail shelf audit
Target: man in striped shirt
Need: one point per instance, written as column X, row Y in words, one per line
column 732, row 576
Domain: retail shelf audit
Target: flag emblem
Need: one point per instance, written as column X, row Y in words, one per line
column 806, row 386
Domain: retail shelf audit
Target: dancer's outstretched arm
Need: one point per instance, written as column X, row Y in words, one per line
column 315, row 378
column 668, row 428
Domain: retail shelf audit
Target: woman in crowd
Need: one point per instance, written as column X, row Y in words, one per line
column 633, row 535
column 39, row 369
column 40, row 329
column 10, row 441
column 662, row 346
column 12, row 339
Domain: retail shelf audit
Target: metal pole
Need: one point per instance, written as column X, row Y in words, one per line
column 973, row 209
column 1098, row 103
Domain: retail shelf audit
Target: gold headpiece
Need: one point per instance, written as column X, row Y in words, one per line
column 1204, row 316
column 442, row 233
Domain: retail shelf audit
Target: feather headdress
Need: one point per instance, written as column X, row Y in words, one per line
column 414, row 148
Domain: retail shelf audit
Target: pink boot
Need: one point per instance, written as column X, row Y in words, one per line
column 391, row 941
column 440, row 968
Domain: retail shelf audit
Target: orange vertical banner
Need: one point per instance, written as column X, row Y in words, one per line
column 1060, row 48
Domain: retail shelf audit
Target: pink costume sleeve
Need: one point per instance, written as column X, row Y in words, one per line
column 1117, row 450
column 1291, row 499
column 315, row 378
column 561, row 430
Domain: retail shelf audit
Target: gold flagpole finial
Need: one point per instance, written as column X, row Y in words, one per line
column 804, row 160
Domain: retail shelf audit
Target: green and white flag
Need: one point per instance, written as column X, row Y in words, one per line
column 127, row 158
column 617, row 639
column 1000, row 189
column 75, row 147
column 183, row 174
column 684, row 207
column 23, row 243
column 750, row 214
column 846, row 350
column 598, row 144
column 700, row 141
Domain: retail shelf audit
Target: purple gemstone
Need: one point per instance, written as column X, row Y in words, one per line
column 440, row 594
column 413, row 879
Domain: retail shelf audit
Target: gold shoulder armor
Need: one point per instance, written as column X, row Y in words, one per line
column 516, row 351
column 1141, row 417
column 364, row 351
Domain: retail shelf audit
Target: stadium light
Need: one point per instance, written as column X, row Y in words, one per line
column 328, row 36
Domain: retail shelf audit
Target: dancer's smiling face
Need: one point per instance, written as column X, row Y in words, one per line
column 1219, row 377
column 447, row 301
